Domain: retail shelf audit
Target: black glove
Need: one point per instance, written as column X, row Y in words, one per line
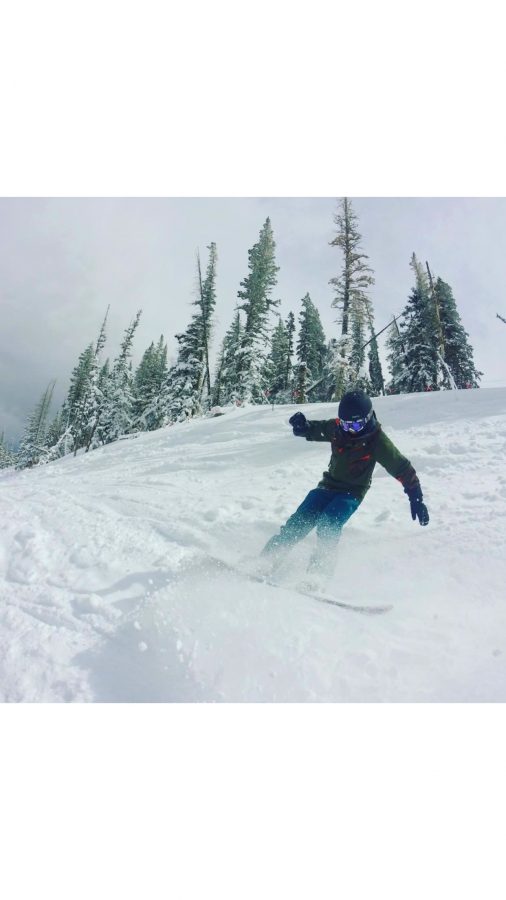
column 418, row 509
column 299, row 424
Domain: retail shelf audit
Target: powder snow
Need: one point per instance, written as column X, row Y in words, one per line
column 110, row 589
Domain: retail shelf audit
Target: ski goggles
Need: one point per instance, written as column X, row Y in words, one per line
column 356, row 424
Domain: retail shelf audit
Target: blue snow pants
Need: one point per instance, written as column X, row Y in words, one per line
column 325, row 510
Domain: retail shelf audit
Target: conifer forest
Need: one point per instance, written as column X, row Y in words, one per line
column 263, row 358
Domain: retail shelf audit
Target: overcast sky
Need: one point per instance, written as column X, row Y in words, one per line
column 63, row 261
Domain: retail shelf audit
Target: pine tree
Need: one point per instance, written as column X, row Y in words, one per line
column 226, row 379
column 396, row 356
column 76, row 400
column 95, row 399
column 290, row 331
column 277, row 364
column 278, row 369
column 206, row 303
column 458, row 353
column 414, row 350
column 84, row 401
column 59, row 437
column 82, row 412
column 149, row 381
column 117, row 416
column 375, row 370
column 351, row 300
column 311, row 347
column 32, row 448
column 105, row 386
column 7, row 456
column 324, row 389
column 300, row 392
column 181, row 400
column 256, row 304
column 188, row 386
column 144, row 384
column 154, row 413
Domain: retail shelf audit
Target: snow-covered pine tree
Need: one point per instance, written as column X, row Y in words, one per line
column 351, row 299
column 150, row 379
column 274, row 361
column 325, row 388
column 277, row 366
column 414, row 345
column 226, row 378
column 311, row 349
column 290, row 330
column 452, row 339
column 7, row 456
column 116, row 418
column 99, row 437
column 444, row 376
column 396, row 357
column 206, row 303
column 54, row 433
column 181, row 399
column 458, row 352
column 95, row 399
column 144, row 385
column 81, row 409
column 300, row 389
column 256, row 304
column 32, row 448
column 375, row 370
column 76, row 401
column 188, row 385
column 59, row 437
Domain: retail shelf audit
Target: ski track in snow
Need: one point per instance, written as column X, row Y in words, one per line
column 109, row 592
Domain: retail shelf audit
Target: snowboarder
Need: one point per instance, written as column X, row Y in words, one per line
column 358, row 443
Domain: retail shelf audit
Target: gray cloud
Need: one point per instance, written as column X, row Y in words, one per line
column 63, row 261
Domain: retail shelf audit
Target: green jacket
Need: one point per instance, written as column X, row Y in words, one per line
column 354, row 458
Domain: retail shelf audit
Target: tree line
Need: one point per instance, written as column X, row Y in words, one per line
column 263, row 358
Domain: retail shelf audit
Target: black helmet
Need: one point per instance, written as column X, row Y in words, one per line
column 355, row 411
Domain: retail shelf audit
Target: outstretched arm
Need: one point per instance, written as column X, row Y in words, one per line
column 321, row 430
column 313, row 431
column 400, row 468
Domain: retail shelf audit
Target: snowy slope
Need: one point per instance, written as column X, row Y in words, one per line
column 107, row 591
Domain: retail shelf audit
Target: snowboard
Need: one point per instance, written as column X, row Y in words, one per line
column 321, row 597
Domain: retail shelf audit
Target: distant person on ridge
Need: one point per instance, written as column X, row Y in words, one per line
column 358, row 443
